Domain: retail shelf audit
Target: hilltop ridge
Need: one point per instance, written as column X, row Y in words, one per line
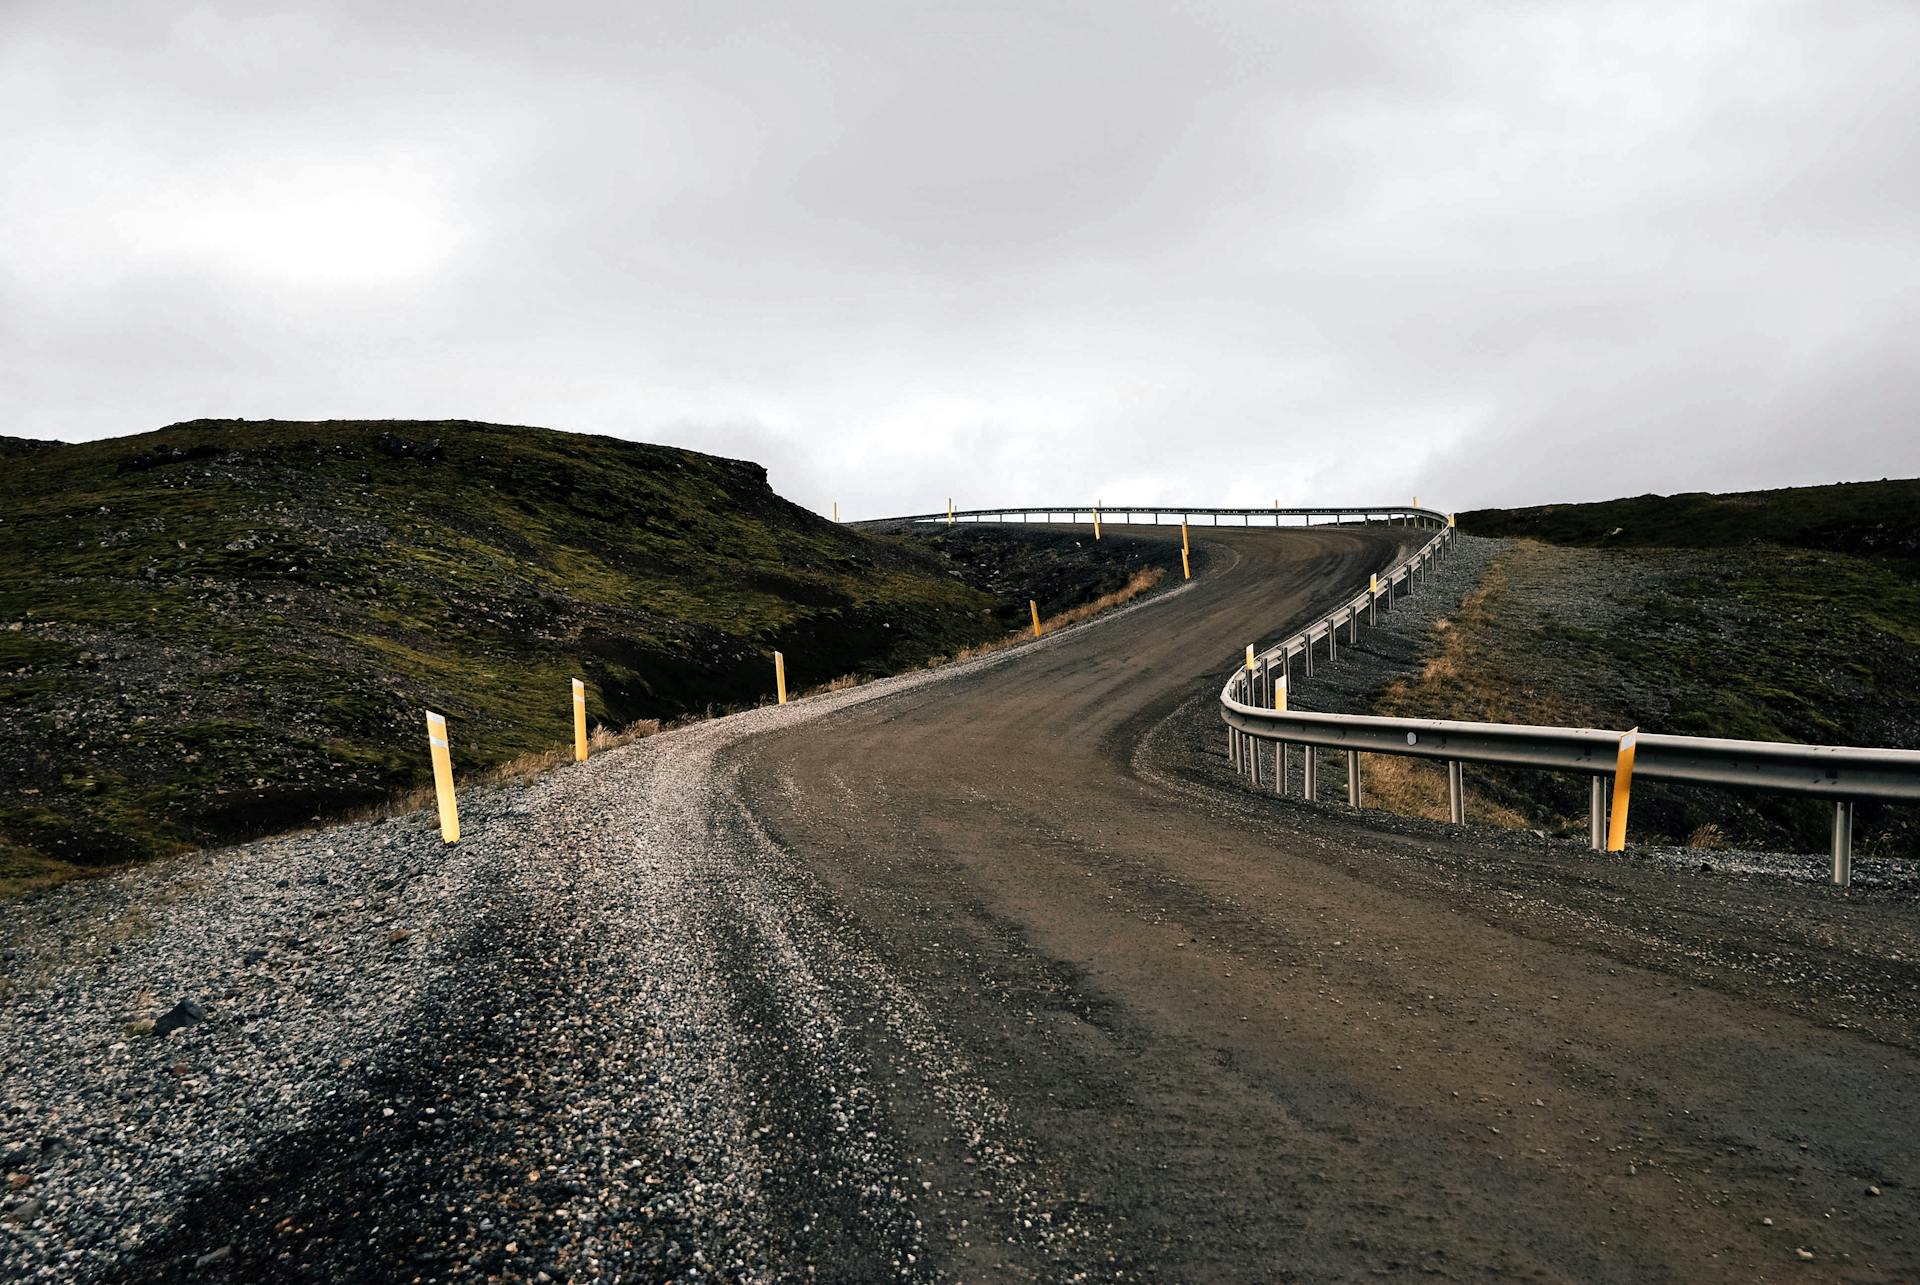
column 227, row 626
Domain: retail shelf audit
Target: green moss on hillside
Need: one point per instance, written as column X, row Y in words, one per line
column 225, row 627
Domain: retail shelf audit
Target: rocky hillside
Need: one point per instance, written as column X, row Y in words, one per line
column 1787, row 615
column 226, row 627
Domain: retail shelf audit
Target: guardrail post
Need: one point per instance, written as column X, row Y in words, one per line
column 441, row 752
column 1597, row 815
column 1309, row 775
column 1353, row 778
column 1842, row 843
column 1456, row 792
column 1622, row 792
column 579, row 721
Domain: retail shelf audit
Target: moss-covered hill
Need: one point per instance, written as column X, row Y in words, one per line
column 1876, row 519
column 228, row 627
column 1789, row 615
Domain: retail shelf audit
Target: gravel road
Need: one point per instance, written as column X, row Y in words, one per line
column 993, row 972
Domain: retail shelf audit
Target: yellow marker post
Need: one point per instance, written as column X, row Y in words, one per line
column 443, row 777
column 579, row 721
column 1280, row 693
column 1416, row 501
column 1035, row 608
column 1622, row 787
column 1183, row 536
column 1186, row 568
column 949, row 510
column 1096, row 522
column 1249, row 658
column 836, row 510
column 1373, row 584
column 1450, row 521
column 780, row 676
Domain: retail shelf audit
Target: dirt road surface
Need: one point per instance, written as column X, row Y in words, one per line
column 997, row 973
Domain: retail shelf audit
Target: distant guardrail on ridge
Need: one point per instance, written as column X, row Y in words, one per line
column 1389, row 514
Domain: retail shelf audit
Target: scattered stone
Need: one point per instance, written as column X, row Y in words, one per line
column 1805, row 1255
column 24, row 1212
column 1873, row 1191
column 213, row 1256
column 188, row 1012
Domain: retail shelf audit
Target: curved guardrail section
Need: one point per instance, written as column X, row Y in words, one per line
column 1254, row 708
column 1253, row 705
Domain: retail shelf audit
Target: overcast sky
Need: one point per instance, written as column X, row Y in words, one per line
column 1200, row 252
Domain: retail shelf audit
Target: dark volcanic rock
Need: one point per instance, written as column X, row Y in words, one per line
column 188, row 1012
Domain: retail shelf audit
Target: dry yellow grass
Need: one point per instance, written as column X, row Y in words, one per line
column 1463, row 680
column 1708, row 836
column 1418, row 787
column 1141, row 582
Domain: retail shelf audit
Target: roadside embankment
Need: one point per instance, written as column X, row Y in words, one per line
column 225, row 628
column 1746, row 642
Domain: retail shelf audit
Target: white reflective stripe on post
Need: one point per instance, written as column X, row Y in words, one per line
column 1622, row 792
column 443, row 793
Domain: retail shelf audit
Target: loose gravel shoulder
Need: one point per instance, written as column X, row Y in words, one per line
column 612, row 1033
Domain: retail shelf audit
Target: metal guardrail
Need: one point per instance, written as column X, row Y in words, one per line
column 1389, row 515
column 1842, row 774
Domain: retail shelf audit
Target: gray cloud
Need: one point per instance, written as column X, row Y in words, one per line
column 1487, row 253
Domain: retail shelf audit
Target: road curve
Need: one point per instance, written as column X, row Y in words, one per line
column 995, row 972
column 1261, row 1044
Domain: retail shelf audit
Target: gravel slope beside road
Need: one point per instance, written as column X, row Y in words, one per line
column 612, row 1034
column 994, row 972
